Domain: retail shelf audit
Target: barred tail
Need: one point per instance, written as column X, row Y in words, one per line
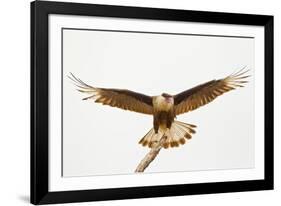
column 177, row 135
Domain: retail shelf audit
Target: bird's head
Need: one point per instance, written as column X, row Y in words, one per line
column 168, row 98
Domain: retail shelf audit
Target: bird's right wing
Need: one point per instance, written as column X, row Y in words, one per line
column 121, row 98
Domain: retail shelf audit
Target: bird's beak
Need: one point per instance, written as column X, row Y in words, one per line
column 169, row 99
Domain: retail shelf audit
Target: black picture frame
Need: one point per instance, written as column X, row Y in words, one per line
column 40, row 108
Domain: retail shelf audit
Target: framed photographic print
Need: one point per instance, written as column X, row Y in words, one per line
column 130, row 102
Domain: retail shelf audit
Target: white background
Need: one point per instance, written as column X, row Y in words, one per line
column 152, row 64
column 14, row 152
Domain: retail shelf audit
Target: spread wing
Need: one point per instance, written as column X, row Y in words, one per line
column 121, row 98
column 205, row 93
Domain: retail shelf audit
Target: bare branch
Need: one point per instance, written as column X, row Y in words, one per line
column 156, row 147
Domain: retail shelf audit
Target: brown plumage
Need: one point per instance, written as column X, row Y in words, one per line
column 205, row 93
column 165, row 107
column 121, row 98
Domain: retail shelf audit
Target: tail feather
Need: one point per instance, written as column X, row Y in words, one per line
column 177, row 135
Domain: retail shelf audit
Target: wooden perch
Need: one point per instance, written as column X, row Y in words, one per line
column 156, row 147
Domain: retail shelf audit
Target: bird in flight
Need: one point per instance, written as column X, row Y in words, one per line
column 164, row 107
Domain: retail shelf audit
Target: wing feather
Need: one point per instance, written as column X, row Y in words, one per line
column 121, row 98
column 205, row 93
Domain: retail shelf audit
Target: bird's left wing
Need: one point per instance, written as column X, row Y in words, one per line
column 121, row 98
column 205, row 93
